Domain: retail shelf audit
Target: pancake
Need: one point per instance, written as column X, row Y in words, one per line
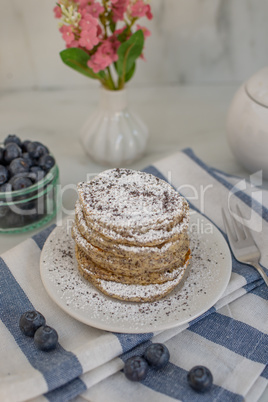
column 164, row 250
column 144, row 278
column 131, row 235
column 133, row 208
column 128, row 265
column 131, row 292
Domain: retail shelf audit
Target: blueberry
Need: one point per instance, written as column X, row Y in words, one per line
column 12, row 138
column 1, row 155
column 200, row 378
column 6, row 187
column 18, row 165
column 28, row 175
column 46, row 338
column 136, row 368
column 12, row 151
column 27, row 157
column 18, row 182
column 3, row 211
column 3, row 174
column 32, row 150
column 43, row 150
column 39, row 172
column 30, row 322
column 46, row 162
column 36, row 149
column 33, row 176
column 28, row 208
column 24, row 145
column 157, row 355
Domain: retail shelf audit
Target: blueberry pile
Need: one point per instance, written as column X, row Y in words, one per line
column 33, row 324
column 157, row 356
column 23, row 163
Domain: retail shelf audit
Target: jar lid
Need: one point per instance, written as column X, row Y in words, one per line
column 257, row 87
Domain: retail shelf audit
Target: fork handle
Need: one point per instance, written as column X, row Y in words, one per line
column 261, row 271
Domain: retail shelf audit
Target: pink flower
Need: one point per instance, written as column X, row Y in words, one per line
column 104, row 56
column 88, row 21
column 99, row 31
column 95, row 9
column 118, row 14
column 149, row 14
column 88, row 38
column 118, row 9
column 74, row 43
column 57, row 12
column 91, row 26
column 145, row 31
column 90, row 31
column 140, row 9
column 115, row 43
column 83, row 3
column 67, row 34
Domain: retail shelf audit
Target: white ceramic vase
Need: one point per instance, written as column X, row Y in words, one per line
column 247, row 124
column 113, row 135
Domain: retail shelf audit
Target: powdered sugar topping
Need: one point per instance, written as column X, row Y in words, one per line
column 129, row 198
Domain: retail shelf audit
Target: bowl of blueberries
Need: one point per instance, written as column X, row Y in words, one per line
column 29, row 179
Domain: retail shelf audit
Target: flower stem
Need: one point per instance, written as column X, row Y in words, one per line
column 104, row 22
column 121, row 83
column 110, row 81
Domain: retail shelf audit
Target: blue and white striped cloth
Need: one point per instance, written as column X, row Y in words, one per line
column 231, row 338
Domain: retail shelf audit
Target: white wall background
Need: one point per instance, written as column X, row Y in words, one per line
column 192, row 42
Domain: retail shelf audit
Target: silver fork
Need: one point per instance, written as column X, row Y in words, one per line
column 242, row 243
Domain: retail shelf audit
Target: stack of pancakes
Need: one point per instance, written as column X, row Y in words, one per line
column 131, row 235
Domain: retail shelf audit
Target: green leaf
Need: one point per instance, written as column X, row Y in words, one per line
column 130, row 73
column 77, row 59
column 122, row 37
column 128, row 52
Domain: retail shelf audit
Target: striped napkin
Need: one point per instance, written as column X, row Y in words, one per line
column 230, row 339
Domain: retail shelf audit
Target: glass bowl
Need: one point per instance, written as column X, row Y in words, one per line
column 30, row 207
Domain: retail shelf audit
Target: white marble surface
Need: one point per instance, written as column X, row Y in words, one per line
column 177, row 117
column 192, row 42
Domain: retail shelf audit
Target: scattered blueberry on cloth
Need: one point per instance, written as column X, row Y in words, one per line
column 230, row 339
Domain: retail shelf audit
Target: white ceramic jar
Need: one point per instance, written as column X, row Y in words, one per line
column 247, row 124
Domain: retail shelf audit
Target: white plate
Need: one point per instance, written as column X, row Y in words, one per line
column 208, row 278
